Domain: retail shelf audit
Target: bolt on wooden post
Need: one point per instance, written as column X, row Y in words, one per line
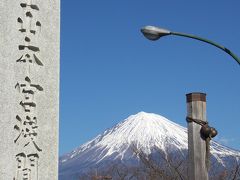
column 196, row 109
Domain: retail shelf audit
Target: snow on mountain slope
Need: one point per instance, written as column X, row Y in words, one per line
column 146, row 131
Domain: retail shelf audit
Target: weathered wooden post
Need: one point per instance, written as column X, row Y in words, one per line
column 196, row 110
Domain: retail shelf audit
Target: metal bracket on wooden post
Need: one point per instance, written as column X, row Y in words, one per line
column 196, row 109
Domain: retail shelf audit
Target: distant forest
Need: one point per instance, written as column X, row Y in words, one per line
column 165, row 167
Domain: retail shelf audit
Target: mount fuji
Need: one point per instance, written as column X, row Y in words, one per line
column 148, row 132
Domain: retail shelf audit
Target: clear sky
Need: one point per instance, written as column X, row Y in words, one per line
column 110, row 71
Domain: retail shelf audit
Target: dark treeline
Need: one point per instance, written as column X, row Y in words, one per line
column 160, row 166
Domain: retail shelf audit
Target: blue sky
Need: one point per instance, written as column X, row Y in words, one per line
column 110, row 71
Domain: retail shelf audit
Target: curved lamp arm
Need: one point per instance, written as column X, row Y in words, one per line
column 209, row 42
column 154, row 33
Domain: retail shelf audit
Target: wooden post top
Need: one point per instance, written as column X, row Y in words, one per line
column 196, row 96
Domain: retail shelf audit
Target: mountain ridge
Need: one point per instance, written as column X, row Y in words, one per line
column 146, row 131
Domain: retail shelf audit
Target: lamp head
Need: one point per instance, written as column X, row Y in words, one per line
column 154, row 33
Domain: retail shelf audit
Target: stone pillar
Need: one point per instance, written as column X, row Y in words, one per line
column 29, row 89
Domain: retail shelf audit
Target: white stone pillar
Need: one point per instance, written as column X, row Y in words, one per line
column 29, row 89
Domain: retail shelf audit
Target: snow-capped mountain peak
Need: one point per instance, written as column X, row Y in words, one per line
column 143, row 129
column 146, row 131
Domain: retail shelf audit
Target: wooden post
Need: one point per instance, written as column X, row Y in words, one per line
column 196, row 109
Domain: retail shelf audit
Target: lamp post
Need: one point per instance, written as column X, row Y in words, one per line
column 198, row 141
column 154, row 33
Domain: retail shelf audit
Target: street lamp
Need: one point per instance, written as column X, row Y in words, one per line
column 199, row 131
column 154, row 33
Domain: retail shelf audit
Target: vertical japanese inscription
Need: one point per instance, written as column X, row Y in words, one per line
column 30, row 27
column 26, row 123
